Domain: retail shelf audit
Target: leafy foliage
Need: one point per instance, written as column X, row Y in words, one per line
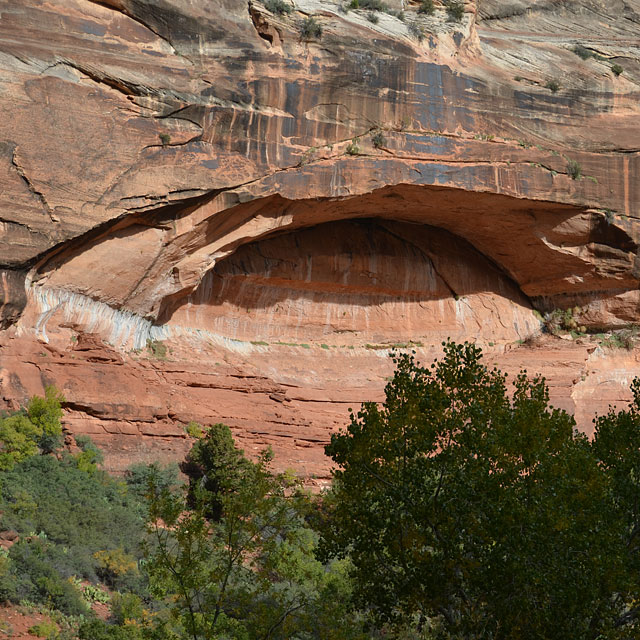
column 310, row 29
column 233, row 558
column 490, row 517
column 26, row 432
column 278, row 7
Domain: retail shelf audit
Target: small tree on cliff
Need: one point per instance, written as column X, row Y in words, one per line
column 485, row 516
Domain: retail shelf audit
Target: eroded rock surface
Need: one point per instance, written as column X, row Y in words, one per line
column 278, row 211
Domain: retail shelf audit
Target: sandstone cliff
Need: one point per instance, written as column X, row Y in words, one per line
column 269, row 211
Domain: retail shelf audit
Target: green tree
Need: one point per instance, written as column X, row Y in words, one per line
column 37, row 428
column 234, row 558
column 487, row 516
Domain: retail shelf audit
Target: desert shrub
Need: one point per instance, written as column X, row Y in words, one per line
column 157, row 348
column 427, row 7
column 416, row 31
column 617, row 69
column 553, row 85
column 378, row 140
column 564, row 320
column 165, row 139
column 126, row 606
column 352, row 148
column 455, row 10
column 139, row 475
column 78, row 513
column 372, row 17
column 90, row 456
column 279, row 7
column 574, row 170
column 372, row 5
column 583, row 52
column 310, row 29
column 114, row 564
column 101, row 630
column 45, row 629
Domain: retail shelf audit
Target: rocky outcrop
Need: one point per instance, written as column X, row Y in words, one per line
column 203, row 174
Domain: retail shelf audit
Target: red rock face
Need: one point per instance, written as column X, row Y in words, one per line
column 278, row 211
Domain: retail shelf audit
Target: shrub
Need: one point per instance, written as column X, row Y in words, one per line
column 126, row 606
column 617, row 69
column 113, row 564
column 372, row 17
column 278, row 7
column 553, row 85
column 139, row 476
column 427, row 7
column 352, row 148
column 583, row 52
column 165, row 138
column 45, row 629
column 157, row 349
column 574, row 170
column 373, row 5
column 378, row 140
column 416, row 31
column 310, row 29
column 455, row 10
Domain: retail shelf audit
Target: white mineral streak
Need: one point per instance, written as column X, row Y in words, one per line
column 121, row 328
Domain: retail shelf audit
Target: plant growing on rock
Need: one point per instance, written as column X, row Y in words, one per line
column 278, row 7
column 553, row 85
column 372, row 17
column 427, row 7
column 574, row 170
column 455, row 10
column 416, row 31
column 165, row 139
column 352, row 148
column 583, row 52
column 310, row 29
column 378, row 140
column 564, row 321
column 616, row 69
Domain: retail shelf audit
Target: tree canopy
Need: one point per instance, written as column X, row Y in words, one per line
column 485, row 514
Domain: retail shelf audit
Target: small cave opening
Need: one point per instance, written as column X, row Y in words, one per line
column 355, row 282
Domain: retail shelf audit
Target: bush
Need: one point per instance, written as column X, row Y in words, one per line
column 378, row 140
column 617, row 69
column 372, row 17
column 126, row 606
column 416, row 31
column 140, row 476
column 310, row 29
column 157, row 348
column 352, row 148
column 165, row 139
column 455, row 10
column 427, row 7
column 574, row 170
column 583, row 52
column 278, row 7
column 553, row 85
column 45, row 629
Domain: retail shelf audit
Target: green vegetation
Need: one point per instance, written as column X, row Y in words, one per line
column 564, row 321
column 373, row 17
column 378, row 140
column 484, row 514
column 352, row 148
column 278, row 7
column 416, row 31
column 553, row 85
column 583, row 52
column 427, row 7
column 574, row 170
column 310, row 29
column 165, row 139
column 460, row 508
column 455, row 10
column 157, row 349
column 616, row 69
